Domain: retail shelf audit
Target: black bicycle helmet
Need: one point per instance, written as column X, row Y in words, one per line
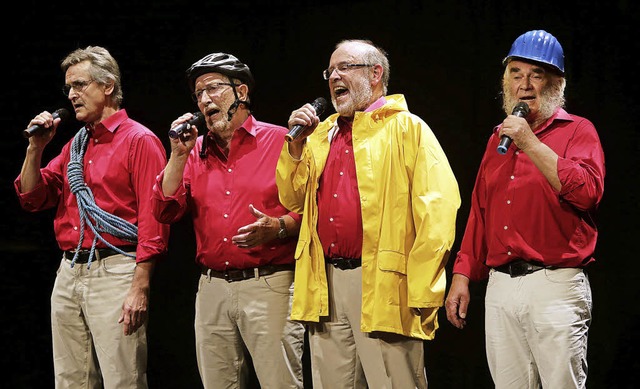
column 221, row 63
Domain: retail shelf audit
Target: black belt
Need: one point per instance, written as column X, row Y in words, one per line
column 520, row 267
column 344, row 263
column 83, row 255
column 232, row 275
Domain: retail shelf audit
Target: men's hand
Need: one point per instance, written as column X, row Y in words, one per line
column 263, row 230
column 134, row 310
column 457, row 301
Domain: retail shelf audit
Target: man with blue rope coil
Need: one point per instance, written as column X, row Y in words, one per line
column 101, row 184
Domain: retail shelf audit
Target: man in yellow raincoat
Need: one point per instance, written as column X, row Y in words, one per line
column 379, row 202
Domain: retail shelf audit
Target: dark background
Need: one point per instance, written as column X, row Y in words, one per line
column 445, row 58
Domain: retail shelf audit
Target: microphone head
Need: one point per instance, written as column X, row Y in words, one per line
column 521, row 109
column 197, row 120
column 61, row 113
column 319, row 105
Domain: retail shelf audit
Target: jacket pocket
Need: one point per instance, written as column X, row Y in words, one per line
column 392, row 261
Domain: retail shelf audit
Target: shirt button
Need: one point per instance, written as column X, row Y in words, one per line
column 227, row 193
column 508, row 201
column 229, row 170
column 75, row 228
column 335, row 195
column 331, row 219
column 225, row 216
column 333, row 245
column 517, row 152
column 512, row 177
column 341, row 173
column 226, row 263
column 508, row 252
column 505, row 227
column 90, row 161
column 346, row 151
column 95, row 141
column 224, row 239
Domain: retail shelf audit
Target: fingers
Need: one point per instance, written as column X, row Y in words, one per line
column 304, row 116
column 132, row 318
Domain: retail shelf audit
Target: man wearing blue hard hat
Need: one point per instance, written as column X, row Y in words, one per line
column 531, row 228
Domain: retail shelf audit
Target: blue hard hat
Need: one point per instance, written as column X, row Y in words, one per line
column 539, row 46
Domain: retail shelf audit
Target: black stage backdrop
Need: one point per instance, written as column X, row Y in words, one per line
column 445, row 58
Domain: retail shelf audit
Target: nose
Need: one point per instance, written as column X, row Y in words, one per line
column 526, row 83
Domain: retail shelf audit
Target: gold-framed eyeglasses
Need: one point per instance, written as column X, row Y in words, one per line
column 78, row 86
column 342, row 68
column 212, row 89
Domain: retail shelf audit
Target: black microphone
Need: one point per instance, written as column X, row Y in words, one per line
column 319, row 106
column 197, row 120
column 36, row 129
column 521, row 110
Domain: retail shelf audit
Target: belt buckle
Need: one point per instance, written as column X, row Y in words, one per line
column 517, row 269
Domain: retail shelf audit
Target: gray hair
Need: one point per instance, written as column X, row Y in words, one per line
column 104, row 69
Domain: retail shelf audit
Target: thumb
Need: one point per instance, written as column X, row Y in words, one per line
column 255, row 212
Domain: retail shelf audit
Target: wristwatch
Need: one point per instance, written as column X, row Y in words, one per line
column 282, row 233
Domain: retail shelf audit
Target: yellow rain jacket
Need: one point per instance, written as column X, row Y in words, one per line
column 409, row 198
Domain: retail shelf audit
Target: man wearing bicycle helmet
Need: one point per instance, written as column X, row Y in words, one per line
column 245, row 237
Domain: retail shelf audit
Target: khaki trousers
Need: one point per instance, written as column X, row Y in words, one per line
column 250, row 316
column 89, row 346
column 344, row 357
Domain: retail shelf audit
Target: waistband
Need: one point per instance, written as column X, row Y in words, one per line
column 520, row 267
column 343, row 263
column 231, row 275
column 83, row 255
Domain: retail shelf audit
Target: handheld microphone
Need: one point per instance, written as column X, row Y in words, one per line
column 521, row 110
column 197, row 120
column 319, row 106
column 36, row 129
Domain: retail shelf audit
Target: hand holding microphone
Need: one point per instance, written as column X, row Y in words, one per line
column 197, row 120
column 37, row 129
column 521, row 110
column 319, row 105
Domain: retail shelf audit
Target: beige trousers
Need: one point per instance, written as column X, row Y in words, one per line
column 344, row 357
column 89, row 346
column 248, row 319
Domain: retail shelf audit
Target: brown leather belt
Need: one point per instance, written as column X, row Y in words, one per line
column 520, row 267
column 231, row 275
column 344, row 263
column 83, row 255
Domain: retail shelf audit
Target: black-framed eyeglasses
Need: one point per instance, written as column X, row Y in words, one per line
column 78, row 86
column 342, row 68
column 212, row 89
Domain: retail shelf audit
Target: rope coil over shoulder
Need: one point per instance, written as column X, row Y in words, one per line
column 97, row 219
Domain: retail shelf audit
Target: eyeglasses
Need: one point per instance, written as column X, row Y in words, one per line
column 342, row 68
column 212, row 89
column 78, row 86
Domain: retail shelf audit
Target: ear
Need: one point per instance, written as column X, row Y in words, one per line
column 243, row 92
column 376, row 74
column 108, row 88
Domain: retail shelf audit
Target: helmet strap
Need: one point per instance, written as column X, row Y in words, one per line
column 234, row 107
column 203, row 150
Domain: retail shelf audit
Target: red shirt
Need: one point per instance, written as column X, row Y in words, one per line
column 217, row 192
column 339, row 212
column 122, row 160
column 515, row 213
